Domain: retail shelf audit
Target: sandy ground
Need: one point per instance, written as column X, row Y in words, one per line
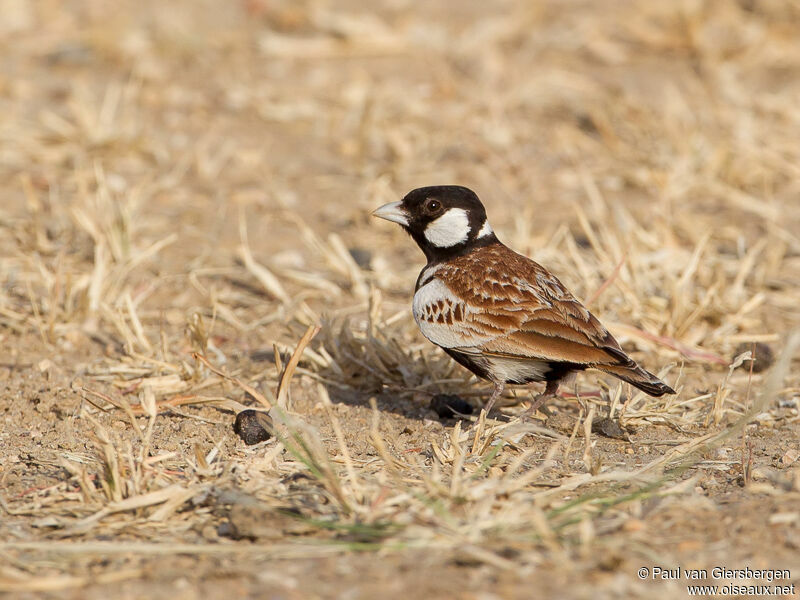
column 186, row 190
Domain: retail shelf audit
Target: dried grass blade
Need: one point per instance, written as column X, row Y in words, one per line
column 247, row 388
column 286, row 375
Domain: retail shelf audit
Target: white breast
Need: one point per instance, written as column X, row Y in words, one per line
column 435, row 310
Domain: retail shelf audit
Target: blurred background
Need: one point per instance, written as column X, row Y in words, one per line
column 670, row 107
column 198, row 175
column 667, row 131
column 186, row 112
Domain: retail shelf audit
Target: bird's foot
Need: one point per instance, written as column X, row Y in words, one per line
column 537, row 404
column 550, row 391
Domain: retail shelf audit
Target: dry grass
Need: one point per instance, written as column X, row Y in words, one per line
column 185, row 200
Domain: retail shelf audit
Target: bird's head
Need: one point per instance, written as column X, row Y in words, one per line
column 444, row 220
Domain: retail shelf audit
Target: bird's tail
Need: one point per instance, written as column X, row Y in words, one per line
column 639, row 378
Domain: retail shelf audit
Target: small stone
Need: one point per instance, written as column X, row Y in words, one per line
column 763, row 357
column 228, row 530
column 790, row 457
column 448, row 406
column 253, row 426
column 609, row 428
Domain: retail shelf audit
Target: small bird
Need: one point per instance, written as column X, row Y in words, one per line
column 501, row 315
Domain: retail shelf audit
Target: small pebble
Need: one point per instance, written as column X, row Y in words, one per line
column 228, row 530
column 253, row 426
column 447, row 405
column 762, row 354
column 609, row 428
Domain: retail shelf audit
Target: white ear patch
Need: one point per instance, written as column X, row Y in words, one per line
column 448, row 230
column 486, row 229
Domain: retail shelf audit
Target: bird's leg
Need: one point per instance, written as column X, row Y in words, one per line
column 583, row 404
column 549, row 392
column 498, row 391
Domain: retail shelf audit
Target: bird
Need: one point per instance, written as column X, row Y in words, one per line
column 498, row 313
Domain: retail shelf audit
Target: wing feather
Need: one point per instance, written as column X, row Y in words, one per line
column 510, row 306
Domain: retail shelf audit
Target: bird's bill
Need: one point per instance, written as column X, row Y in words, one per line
column 393, row 212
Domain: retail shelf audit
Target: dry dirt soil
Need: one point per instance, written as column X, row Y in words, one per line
column 185, row 197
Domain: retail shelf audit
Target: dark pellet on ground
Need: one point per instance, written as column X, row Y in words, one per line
column 762, row 353
column 447, row 405
column 253, row 426
column 609, row 428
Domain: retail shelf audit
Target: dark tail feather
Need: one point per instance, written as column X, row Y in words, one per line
column 639, row 378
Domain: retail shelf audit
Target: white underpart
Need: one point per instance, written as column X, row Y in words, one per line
column 516, row 370
column 465, row 339
column 448, row 230
column 486, row 229
column 454, row 335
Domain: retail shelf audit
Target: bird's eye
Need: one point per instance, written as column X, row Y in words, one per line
column 433, row 206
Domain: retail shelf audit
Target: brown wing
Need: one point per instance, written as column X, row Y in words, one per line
column 525, row 311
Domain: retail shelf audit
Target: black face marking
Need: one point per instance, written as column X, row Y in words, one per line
column 427, row 204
